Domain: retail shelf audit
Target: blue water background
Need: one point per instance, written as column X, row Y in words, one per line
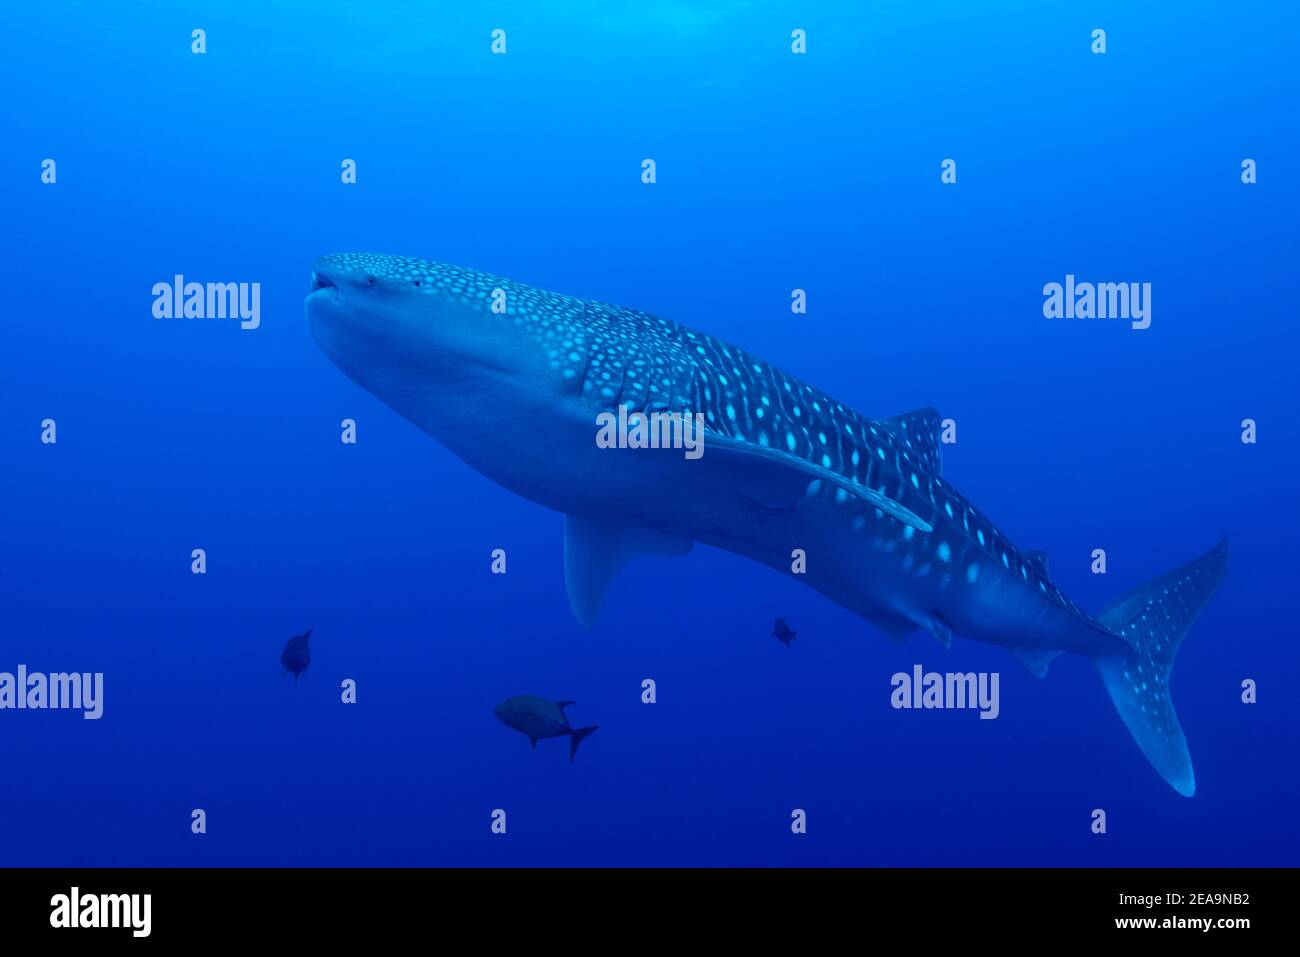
column 775, row 172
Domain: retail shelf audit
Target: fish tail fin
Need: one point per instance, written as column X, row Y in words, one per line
column 576, row 738
column 1154, row 618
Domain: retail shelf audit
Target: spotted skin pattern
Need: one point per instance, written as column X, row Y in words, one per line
column 616, row 356
column 1154, row 618
column 960, row 573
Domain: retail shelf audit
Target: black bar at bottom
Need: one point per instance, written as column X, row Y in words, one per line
column 561, row 906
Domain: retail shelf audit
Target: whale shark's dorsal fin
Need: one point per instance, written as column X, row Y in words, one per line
column 918, row 433
column 594, row 551
column 778, row 480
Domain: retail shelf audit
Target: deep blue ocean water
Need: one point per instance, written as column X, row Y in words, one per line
column 775, row 171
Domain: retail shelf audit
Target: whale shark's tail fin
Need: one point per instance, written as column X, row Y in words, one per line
column 1154, row 618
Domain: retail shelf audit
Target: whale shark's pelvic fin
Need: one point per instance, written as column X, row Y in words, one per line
column 941, row 630
column 894, row 627
column 594, row 551
column 1154, row 618
column 1035, row 659
column 919, row 434
column 778, row 480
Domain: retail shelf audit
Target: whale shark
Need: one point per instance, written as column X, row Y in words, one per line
column 513, row 379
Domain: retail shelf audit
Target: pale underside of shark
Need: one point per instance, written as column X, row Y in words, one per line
column 512, row 379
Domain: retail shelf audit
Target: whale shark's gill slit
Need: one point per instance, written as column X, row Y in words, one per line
column 618, row 396
column 693, row 396
column 586, row 357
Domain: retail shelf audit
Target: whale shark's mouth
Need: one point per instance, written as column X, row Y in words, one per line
column 323, row 286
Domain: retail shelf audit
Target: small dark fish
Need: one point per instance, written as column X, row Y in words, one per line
column 782, row 633
column 539, row 718
column 297, row 654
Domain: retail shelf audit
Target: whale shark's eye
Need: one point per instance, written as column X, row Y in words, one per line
column 371, row 280
column 417, row 282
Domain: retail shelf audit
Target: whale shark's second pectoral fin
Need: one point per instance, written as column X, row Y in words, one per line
column 777, row 480
column 594, row 551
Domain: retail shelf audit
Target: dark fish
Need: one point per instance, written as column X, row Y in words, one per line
column 539, row 718
column 297, row 654
column 782, row 633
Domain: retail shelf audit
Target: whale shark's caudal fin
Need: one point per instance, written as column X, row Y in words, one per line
column 1154, row 618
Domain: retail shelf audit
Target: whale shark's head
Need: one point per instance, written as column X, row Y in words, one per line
column 374, row 315
column 411, row 331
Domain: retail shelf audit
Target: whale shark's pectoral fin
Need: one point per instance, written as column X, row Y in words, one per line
column 777, row 480
column 594, row 551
